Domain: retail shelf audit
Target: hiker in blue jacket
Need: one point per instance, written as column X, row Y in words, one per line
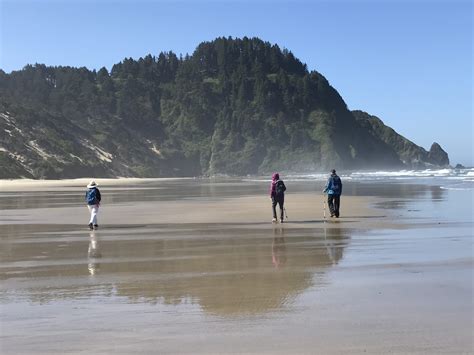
column 334, row 190
column 93, row 202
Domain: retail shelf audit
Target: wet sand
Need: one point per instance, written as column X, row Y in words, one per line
column 186, row 266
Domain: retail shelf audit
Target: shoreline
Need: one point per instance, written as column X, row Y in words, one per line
column 12, row 184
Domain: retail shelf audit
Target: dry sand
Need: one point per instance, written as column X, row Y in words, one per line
column 211, row 274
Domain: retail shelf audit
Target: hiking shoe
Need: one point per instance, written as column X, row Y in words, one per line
column 96, row 226
column 91, row 226
column 274, row 220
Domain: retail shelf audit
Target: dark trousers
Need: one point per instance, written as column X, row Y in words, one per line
column 333, row 203
column 280, row 202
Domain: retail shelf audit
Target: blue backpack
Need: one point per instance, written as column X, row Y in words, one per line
column 91, row 196
column 335, row 186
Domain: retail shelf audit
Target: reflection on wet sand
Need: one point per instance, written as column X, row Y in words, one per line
column 437, row 193
column 233, row 275
column 93, row 253
column 226, row 271
column 278, row 248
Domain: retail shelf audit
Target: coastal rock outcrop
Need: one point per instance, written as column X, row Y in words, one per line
column 437, row 155
column 410, row 154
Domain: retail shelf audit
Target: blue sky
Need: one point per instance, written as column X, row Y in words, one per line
column 407, row 62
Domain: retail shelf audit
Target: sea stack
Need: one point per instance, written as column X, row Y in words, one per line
column 437, row 155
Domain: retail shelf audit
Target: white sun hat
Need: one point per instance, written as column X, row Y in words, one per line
column 92, row 184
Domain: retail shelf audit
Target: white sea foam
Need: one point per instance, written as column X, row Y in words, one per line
column 455, row 188
column 404, row 173
column 431, row 174
column 456, row 179
column 427, row 173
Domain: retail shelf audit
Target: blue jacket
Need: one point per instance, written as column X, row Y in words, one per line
column 334, row 185
column 93, row 196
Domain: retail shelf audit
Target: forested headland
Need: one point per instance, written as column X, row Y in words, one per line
column 235, row 106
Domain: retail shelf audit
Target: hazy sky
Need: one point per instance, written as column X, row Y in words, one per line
column 407, row 62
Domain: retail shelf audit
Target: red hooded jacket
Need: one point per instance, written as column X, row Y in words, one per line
column 275, row 178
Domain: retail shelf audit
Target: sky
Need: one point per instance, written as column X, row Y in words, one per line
column 406, row 62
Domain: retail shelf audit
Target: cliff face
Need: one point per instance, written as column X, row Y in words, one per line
column 410, row 154
column 235, row 106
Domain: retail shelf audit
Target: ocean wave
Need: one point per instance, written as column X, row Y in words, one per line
column 450, row 176
column 456, row 188
column 427, row 173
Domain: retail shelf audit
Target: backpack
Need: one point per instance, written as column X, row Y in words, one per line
column 91, row 197
column 336, row 185
column 279, row 189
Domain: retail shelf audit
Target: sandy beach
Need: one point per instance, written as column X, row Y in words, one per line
column 196, row 266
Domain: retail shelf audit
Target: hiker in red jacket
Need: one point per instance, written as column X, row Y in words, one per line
column 277, row 194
